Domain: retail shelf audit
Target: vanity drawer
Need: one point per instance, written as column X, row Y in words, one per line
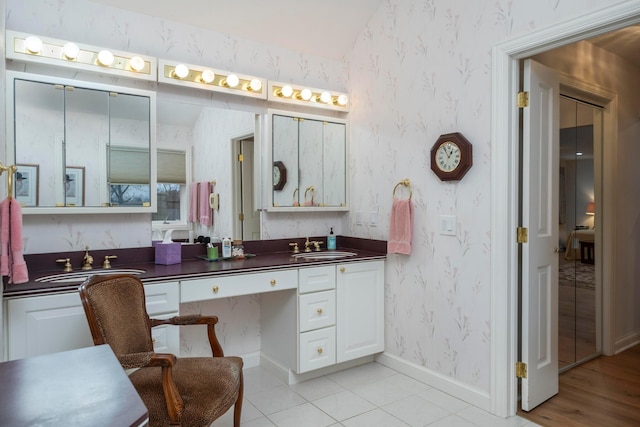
column 317, row 310
column 162, row 297
column 317, row 349
column 242, row 284
column 316, row 279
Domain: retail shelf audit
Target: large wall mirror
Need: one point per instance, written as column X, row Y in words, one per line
column 80, row 147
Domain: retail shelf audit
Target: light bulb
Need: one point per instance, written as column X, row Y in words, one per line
column 105, row 57
column 33, row 44
column 342, row 100
column 136, row 63
column 70, row 50
column 325, row 97
column 306, row 94
column 255, row 85
column 232, row 80
column 207, row 76
column 181, row 71
column 286, row 91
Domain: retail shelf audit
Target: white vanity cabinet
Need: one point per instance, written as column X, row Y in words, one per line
column 52, row 323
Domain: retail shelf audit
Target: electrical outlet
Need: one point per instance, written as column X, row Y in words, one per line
column 448, row 225
column 373, row 219
column 359, row 218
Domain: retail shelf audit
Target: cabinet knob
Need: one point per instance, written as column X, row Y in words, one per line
column 273, row 282
column 319, row 350
column 319, row 311
column 215, row 289
column 342, row 269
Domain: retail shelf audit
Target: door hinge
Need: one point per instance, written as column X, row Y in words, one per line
column 523, row 99
column 521, row 370
column 241, row 217
column 240, row 158
column 523, row 235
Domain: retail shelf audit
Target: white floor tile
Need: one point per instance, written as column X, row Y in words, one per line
column 343, row 405
column 452, row 421
column 375, row 418
column 443, row 400
column 260, row 422
column 317, row 388
column 416, row 411
column 305, row 415
column 484, row 419
column 276, row 399
column 361, row 375
column 249, row 413
column 257, row 380
column 389, row 389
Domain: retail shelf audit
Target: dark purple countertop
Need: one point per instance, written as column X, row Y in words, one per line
column 269, row 255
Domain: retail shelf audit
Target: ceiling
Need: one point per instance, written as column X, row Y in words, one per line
column 325, row 28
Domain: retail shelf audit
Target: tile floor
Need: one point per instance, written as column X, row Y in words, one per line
column 368, row 395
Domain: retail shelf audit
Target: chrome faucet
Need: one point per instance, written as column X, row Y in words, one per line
column 87, row 260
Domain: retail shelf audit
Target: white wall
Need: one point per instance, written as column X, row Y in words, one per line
column 419, row 69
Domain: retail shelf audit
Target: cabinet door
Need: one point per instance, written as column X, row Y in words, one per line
column 360, row 310
column 46, row 324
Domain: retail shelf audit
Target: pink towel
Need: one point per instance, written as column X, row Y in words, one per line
column 19, row 273
column 401, row 228
column 193, row 202
column 204, row 209
column 4, row 237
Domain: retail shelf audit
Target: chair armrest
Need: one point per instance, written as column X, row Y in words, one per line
column 196, row 319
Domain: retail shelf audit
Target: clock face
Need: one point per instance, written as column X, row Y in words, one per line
column 276, row 175
column 448, row 156
column 279, row 175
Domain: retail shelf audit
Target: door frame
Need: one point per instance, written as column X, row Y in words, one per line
column 236, row 172
column 504, row 188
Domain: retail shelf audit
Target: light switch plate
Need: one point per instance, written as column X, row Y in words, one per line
column 373, row 219
column 448, row 225
column 359, row 218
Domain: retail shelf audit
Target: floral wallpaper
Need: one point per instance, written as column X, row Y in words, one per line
column 420, row 68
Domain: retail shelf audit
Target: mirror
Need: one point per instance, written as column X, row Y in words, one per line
column 80, row 145
column 313, row 152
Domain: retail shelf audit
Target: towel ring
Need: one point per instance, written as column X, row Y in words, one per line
column 405, row 183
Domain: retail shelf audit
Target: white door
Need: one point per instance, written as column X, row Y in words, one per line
column 540, row 171
column 251, row 223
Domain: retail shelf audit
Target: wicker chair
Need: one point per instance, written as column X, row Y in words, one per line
column 189, row 391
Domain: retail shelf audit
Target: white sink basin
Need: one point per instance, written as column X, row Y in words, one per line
column 327, row 255
column 81, row 276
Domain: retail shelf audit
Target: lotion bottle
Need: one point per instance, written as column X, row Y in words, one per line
column 226, row 247
column 331, row 240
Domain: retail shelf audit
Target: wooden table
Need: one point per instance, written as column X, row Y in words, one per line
column 84, row 387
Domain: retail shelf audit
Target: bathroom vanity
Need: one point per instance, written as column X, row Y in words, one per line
column 314, row 313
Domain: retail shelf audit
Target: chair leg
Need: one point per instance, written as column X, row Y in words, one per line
column 237, row 409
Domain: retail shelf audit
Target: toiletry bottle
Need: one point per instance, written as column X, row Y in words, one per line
column 226, row 247
column 331, row 240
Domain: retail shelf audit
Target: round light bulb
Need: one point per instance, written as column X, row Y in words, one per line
column 255, row 85
column 33, row 44
column 70, row 50
column 232, row 80
column 136, row 63
column 207, row 76
column 286, row 91
column 105, row 57
column 342, row 100
column 325, row 97
column 181, row 71
column 306, row 94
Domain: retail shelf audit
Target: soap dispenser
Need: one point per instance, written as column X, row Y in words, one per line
column 331, row 240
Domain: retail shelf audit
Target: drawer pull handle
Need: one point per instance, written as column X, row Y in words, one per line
column 319, row 350
column 273, row 282
column 215, row 289
column 342, row 269
column 319, row 311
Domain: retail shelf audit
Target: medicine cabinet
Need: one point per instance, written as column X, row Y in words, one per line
column 80, row 147
column 307, row 162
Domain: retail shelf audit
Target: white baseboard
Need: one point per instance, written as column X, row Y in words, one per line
column 250, row 359
column 471, row 395
column 290, row 377
column 627, row 341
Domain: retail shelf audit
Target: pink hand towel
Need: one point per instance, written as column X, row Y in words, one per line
column 204, row 209
column 19, row 273
column 401, row 227
column 4, row 237
column 193, row 202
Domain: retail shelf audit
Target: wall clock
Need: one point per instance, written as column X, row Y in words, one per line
column 279, row 176
column 451, row 156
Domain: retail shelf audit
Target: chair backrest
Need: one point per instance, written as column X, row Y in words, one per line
column 116, row 312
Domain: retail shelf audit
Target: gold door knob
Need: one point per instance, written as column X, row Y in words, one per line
column 153, row 340
column 319, row 350
column 342, row 269
column 215, row 289
column 319, row 311
column 557, row 250
column 273, row 282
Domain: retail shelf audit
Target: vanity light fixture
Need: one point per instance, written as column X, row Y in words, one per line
column 318, row 98
column 25, row 47
column 199, row 77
